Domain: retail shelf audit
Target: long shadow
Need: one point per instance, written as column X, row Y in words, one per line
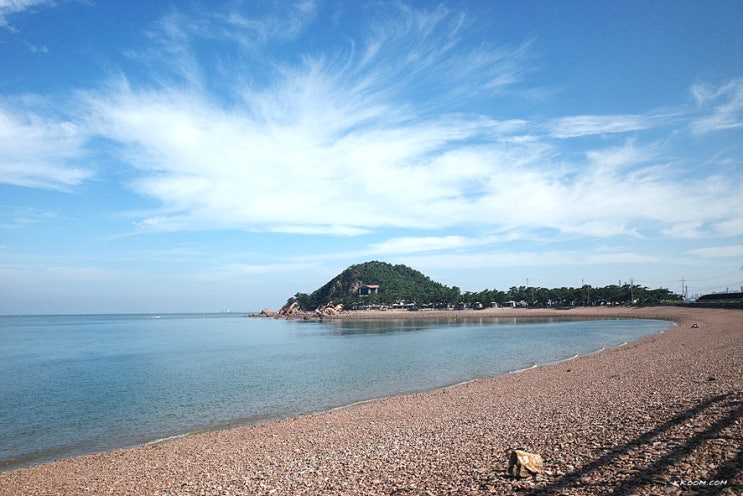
column 647, row 475
column 729, row 469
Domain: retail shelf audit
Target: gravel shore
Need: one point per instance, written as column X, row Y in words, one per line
column 663, row 415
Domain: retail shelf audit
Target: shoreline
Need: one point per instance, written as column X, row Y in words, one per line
column 457, row 436
column 438, row 318
column 485, row 313
column 240, row 424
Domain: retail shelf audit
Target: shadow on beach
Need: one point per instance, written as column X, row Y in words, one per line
column 689, row 454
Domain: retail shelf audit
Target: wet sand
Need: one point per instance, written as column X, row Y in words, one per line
column 662, row 415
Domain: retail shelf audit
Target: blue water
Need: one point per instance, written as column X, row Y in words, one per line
column 72, row 385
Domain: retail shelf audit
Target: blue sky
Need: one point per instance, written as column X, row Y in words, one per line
column 205, row 156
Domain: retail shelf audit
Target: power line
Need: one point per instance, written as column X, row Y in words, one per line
column 717, row 286
column 706, row 279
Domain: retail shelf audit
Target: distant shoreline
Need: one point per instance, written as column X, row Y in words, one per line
column 487, row 313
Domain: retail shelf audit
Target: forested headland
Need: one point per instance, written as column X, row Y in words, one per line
column 380, row 284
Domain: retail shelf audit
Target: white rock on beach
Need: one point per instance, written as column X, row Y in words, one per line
column 523, row 464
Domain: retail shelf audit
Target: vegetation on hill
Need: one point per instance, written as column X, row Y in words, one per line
column 399, row 284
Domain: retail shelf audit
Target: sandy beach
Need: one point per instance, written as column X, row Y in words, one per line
column 663, row 415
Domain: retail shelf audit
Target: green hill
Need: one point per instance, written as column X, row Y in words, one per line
column 396, row 283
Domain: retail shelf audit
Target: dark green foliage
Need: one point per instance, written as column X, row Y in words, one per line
column 399, row 283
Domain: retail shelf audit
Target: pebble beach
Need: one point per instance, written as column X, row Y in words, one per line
column 662, row 415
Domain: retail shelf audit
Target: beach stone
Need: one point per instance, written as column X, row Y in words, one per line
column 329, row 310
column 293, row 310
column 523, row 464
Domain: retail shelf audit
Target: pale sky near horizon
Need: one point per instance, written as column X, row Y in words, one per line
column 169, row 156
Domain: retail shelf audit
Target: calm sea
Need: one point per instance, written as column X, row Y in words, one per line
column 72, row 385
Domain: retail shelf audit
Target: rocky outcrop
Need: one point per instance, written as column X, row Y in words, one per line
column 265, row 313
column 329, row 310
column 294, row 311
column 291, row 311
column 523, row 464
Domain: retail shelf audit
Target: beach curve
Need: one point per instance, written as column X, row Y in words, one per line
column 655, row 415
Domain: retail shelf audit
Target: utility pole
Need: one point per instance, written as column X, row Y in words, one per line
column 582, row 285
column 632, row 290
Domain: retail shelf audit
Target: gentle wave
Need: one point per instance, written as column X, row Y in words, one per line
column 73, row 385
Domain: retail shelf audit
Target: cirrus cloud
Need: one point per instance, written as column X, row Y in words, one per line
column 10, row 7
column 376, row 134
column 39, row 151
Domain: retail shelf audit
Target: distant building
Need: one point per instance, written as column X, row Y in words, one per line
column 715, row 297
column 368, row 289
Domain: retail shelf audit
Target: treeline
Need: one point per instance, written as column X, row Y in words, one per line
column 587, row 295
column 399, row 284
column 521, row 296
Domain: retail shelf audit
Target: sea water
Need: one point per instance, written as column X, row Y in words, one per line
column 73, row 385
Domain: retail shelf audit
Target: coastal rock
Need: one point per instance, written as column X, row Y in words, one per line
column 523, row 464
column 266, row 312
column 293, row 310
column 329, row 310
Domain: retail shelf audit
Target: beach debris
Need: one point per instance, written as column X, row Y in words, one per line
column 523, row 464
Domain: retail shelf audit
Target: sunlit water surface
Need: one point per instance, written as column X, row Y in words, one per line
column 71, row 385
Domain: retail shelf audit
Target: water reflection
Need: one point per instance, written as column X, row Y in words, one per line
column 394, row 325
column 82, row 384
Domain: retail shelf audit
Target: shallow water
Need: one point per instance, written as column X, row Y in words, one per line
column 71, row 385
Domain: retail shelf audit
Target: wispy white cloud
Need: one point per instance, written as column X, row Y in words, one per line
column 40, row 151
column 269, row 268
column 372, row 136
column 287, row 25
column 719, row 251
column 307, row 156
column 587, row 125
column 429, row 243
column 726, row 102
column 184, row 45
column 732, row 226
column 619, row 258
column 323, row 148
column 9, row 7
column 47, row 273
column 18, row 217
column 687, row 230
column 509, row 259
